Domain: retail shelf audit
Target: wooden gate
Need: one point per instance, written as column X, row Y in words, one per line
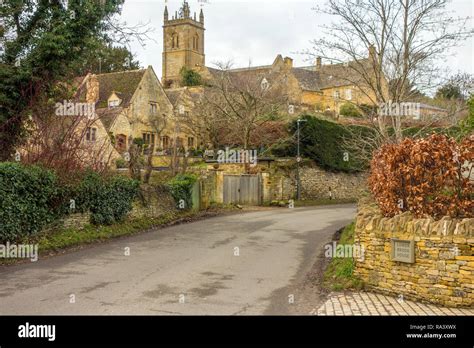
column 242, row 189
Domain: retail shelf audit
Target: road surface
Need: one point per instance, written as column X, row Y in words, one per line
column 248, row 263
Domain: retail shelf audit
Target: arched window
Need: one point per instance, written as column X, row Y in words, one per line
column 175, row 41
column 196, row 42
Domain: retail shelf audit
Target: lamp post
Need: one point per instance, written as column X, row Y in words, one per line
column 298, row 160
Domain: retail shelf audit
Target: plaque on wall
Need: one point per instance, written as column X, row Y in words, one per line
column 403, row 250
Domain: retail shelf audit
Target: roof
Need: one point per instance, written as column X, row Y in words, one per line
column 124, row 84
column 310, row 78
column 108, row 116
column 174, row 94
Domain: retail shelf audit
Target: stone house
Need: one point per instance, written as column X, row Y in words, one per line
column 318, row 88
column 133, row 105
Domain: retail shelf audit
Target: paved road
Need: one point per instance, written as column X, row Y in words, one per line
column 192, row 268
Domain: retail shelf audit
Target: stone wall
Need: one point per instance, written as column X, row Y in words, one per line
column 279, row 181
column 153, row 202
column 443, row 271
column 317, row 183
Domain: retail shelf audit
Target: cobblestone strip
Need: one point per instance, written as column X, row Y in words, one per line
column 366, row 303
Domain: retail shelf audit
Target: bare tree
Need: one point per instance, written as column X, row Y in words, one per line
column 405, row 38
column 158, row 122
column 242, row 101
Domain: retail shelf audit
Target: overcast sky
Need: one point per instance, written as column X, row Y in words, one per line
column 258, row 30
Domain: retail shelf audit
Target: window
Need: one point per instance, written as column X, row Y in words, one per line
column 148, row 138
column 336, row 94
column 113, row 103
column 175, row 41
column 190, row 142
column 149, row 142
column 165, row 142
column 196, row 42
column 181, row 110
column 349, row 94
column 153, row 108
column 91, row 134
column 121, row 142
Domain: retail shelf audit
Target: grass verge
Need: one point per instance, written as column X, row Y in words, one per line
column 339, row 274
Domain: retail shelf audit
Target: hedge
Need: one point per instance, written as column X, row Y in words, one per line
column 26, row 199
column 181, row 188
column 323, row 141
column 31, row 197
column 427, row 177
column 109, row 199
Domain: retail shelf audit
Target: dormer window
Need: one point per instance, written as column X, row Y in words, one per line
column 114, row 103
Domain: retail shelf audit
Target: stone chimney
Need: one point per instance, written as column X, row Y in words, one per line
column 318, row 63
column 92, row 89
column 288, row 62
column 372, row 52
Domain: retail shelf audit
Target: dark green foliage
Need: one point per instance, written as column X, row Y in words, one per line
column 104, row 58
column 26, row 200
column 43, row 42
column 349, row 110
column 190, row 77
column 323, row 141
column 32, row 197
column 108, row 199
column 181, row 187
column 449, row 91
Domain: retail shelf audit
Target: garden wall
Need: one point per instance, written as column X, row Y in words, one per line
column 443, row 268
column 317, row 183
column 279, row 181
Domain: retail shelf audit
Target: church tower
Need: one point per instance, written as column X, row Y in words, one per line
column 183, row 44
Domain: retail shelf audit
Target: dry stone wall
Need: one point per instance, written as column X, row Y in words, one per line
column 443, row 268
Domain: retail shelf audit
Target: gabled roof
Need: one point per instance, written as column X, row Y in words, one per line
column 174, row 95
column 108, row 116
column 124, row 84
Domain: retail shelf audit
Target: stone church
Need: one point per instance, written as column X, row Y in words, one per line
column 318, row 88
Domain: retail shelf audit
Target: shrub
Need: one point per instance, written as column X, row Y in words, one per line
column 189, row 77
column 27, row 194
column 108, row 199
column 181, row 187
column 428, row 176
column 120, row 163
column 349, row 110
column 323, row 141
